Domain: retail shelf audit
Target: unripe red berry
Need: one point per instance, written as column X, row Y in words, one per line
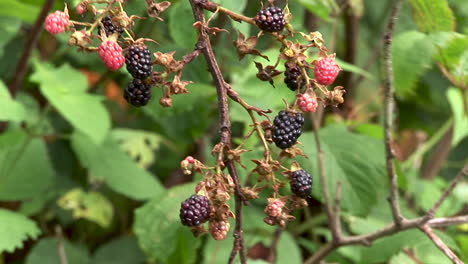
column 307, row 103
column 81, row 9
column 326, row 71
column 274, row 207
column 57, row 22
column 111, row 53
column 219, row 229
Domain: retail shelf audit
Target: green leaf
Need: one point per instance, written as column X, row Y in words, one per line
column 180, row 25
column 186, row 249
column 139, row 144
column 10, row 110
column 453, row 54
column 15, row 8
column 412, row 57
column 120, row 172
column 65, row 88
column 8, row 29
column 355, row 160
column 354, row 69
column 15, row 228
column 157, row 223
column 318, row 7
column 123, row 250
column 25, row 168
column 288, row 250
column 236, row 6
column 92, row 206
column 46, row 252
column 460, row 129
column 433, row 15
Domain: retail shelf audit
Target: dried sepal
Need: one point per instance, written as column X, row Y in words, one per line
column 267, row 73
column 167, row 61
column 200, row 26
column 235, row 155
column 292, row 152
column 293, row 52
column 335, row 97
column 198, row 230
column 155, row 9
column 80, row 38
column 251, row 193
column 178, row 86
column 247, row 46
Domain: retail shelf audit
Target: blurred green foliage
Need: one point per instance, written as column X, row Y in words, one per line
column 74, row 156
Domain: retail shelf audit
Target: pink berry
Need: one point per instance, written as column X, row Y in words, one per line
column 274, row 207
column 190, row 159
column 111, row 53
column 307, row 103
column 81, row 9
column 57, row 22
column 326, row 71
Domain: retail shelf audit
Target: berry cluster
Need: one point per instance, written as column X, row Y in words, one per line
column 326, row 71
column 111, row 27
column 195, row 210
column 138, row 61
column 292, row 76
column 301, row 183
column 111, row 53
column 287, row 129
column 137, row 93
column 57, row 22
column 307, row 103
column 270, row 19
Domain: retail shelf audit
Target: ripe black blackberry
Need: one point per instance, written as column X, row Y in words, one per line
column 137, row 93
column 301, row 183
column 138, row 61
column 291, row 77
column 195, row 210
column 270, row 19
column 110, row 27
column 287, row 129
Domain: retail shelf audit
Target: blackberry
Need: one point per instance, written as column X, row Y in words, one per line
column 287, row 129
column 291, row 77
column 110, row 27
column 138, row 60
column 301, row 183
column 137, row 93
column 195, row 210
column 270, row 19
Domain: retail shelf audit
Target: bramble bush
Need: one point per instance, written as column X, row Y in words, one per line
column 197, row 131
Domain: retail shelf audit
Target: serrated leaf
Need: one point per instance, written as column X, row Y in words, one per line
column 119, row 171
column 460, row 129
column 139, row 144
column 65, row 88
column 157, row 223
column 453, row 54
column 10, row 110
column 15, row 228
column 180, row 25
column 25, row 168
column 355, row 160
column 46, row 252
column 433, row 15
column 92, row 206
column 412, row 56
column 123, row 250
